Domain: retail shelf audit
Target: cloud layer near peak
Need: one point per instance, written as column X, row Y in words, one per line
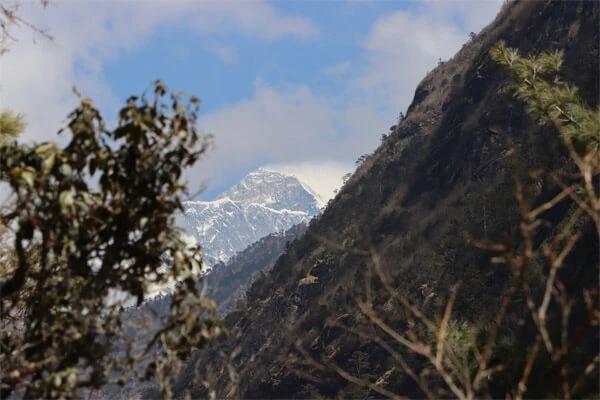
column 318, row 134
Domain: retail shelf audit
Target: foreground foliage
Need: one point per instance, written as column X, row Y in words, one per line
column 93, row 226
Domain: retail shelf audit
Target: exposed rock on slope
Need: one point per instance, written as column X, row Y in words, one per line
column 262, row 203
column 228, row 282
column 441, row 173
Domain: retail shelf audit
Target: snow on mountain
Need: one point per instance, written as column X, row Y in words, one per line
column 263, row 202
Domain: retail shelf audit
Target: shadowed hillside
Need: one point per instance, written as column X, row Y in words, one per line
column 443, row 173
column 227, row 282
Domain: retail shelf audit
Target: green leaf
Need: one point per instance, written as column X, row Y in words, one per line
column 65, row 199
column 44, row 148
column 66, row 170
column 48, row 162
column 28, row 176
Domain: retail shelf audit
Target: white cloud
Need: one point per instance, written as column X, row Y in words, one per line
column 403, row 46
column 256, row 18
column 36, row 78
column 470, row 15
column 298, row 129
column 324, row 177
column 400, row 49
column 314, row 135
column 303, row 130
column 272, row 126
column 317, row 136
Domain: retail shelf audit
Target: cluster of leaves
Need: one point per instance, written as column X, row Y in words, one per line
column 93, row 225
column 549, row 99
column 11, row 125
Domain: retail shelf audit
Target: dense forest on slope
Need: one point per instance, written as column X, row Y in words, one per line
column 445, row 173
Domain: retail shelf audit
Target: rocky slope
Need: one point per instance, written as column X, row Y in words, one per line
column 263, row 202
column 228, row 282
column 442, row 172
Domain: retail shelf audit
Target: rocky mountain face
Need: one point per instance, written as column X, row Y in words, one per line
column 444, row 171
column 263, row 202
column 228, row 282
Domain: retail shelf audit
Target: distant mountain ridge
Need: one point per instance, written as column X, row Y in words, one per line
column 227, row 283
column 263, row 202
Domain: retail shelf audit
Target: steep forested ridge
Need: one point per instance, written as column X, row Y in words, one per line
column 443, row 172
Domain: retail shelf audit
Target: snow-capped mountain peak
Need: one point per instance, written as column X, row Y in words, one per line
column 273, row 189
column 263, row 202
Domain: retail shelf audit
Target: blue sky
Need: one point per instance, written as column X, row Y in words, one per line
column 194, row 63
column 302, row 86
